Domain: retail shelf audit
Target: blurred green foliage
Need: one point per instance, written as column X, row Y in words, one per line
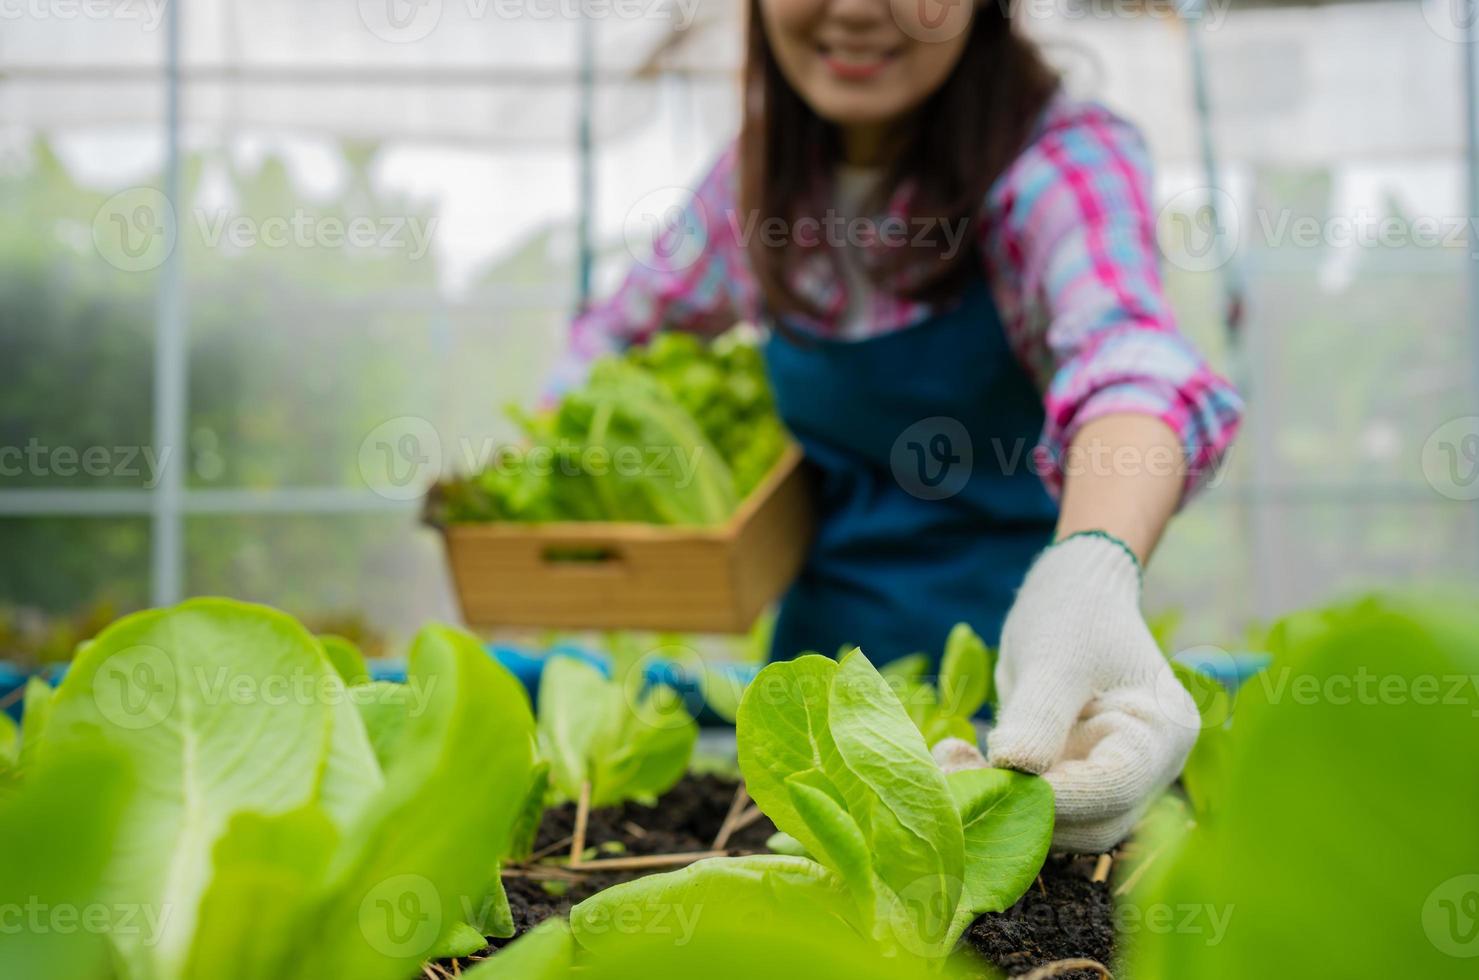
column 296, row 353
column 675, row 432
column 1341, row 842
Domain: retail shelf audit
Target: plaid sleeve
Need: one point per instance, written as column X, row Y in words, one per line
column 1069, row 245
column 692, row 277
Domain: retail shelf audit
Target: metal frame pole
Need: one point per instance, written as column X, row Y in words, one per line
column 1251, row 512
column 171, row 357
column 1232, row 278
column 585, row 163
column 1471, row 129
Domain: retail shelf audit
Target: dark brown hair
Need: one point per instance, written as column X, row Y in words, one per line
column 950, row 151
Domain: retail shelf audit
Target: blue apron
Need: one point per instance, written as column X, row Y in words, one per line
column 929, row 509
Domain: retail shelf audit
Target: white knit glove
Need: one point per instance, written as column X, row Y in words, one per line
column 1087, row 698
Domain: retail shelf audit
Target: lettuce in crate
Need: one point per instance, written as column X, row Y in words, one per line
column 677, row 432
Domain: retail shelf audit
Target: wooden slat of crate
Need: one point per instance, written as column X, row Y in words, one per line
column 651, row 577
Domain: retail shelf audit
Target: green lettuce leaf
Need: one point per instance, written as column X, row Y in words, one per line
column 782, row 730
column 545, row 952
column 384, row 709
column 737, row 919
column 414, row 862
column 906, row 670
column 965, row 686
column 60, row 826
column 207, row 701
column 35, row 716
column 346, row 658
column 907, row 813
column 1351, row 789
column 572, row 713
column 460, row 940
column 255, row 914
column 966, row 682
column 531, row 812
column 495, row 918
column 820, row 742
column 1204, row 777
column 644, row 749
column 10, row 741
column 264, row 839
column 667, row 908
column 629, row 743
column 1008, row 822
column 351, row 772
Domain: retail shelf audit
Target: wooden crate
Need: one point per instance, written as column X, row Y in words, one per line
column 637, row 576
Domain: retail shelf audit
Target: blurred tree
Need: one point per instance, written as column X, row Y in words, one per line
column 298, row 349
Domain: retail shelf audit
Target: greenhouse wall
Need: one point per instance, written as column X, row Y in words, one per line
column 450, row 142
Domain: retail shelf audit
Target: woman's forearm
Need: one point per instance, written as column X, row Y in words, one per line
column 1124, row 475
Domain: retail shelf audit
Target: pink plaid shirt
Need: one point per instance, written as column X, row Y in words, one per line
column 1067, row 240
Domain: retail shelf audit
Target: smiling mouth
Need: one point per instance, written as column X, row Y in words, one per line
column 856, row 64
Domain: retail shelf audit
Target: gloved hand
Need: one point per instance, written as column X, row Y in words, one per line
column 1086, row 697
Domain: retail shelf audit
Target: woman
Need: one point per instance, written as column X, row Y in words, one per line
column 957, row 262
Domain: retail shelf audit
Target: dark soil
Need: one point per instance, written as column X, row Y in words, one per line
column 686, row 818
column 1065, row 915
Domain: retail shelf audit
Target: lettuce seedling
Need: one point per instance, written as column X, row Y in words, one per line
column 731, row 919
column 61, row 823
column 264, row 829
column 35, row 713
column 1204, row 775
column 965, row 685
column 346, row 658
column 628, row 740
column 1345, row 815
column 10, row 742
column 830, row 755
column 903, row 855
